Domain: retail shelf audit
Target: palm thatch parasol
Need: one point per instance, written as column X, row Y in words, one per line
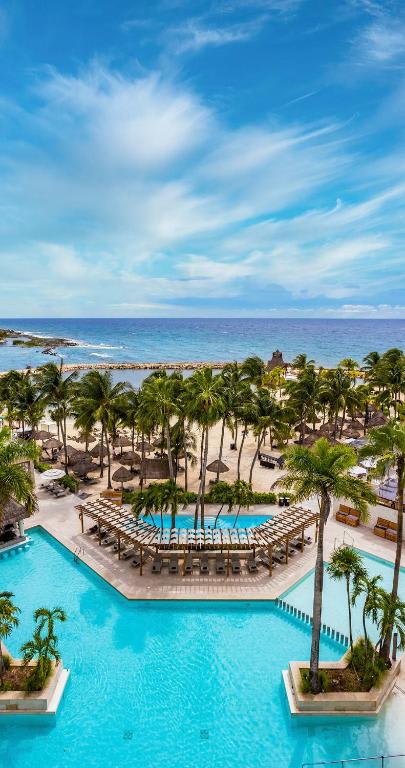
column 122, row 442
column 324, row 429
column 217, row 466
column 354, row 424
column 130, row 458
column 145, row 445
column 52, row 443
column 122, row 475
column 96, row 451
column 351, row 433
column 84, row 467
column 83, row 438
column 377, row 420
column 155, row 469
column 42, row 434
column 79, row 457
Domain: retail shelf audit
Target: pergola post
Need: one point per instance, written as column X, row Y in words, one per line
column 82, row 520
column 270, row 556
column 287, row 544
column 302, row 538
column 99, row 532
column 227, row 565
column 140, row 564
column 119, row 547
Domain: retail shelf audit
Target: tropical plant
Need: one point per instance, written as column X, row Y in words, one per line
column 346, row 563
column 16, row 481
column 323, row 472
column 158, row 403
column 43, row 646
column 57, row 391
column 387, row 445
column 8, row 621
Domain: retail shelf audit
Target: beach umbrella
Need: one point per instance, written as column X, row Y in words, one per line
column 146, row 446
column 217, row 466
column 42, row 434
column 83, row 467
column 378, row 420
column 122, row 475
column 122, row 442
column 130, row 458
column 52, row 474
column 350, row 433
column 82, row 438
column 79, row 457
column 155, row 469
column 96, row 451
column 354, row 424
column 52, row 443
column 325, row 428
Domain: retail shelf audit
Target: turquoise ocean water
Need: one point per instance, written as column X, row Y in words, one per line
column 171, row 684
column 161, row 340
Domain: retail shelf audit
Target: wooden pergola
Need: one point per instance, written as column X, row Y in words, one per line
column 289, row 524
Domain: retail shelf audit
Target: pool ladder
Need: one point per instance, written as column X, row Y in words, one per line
column 77, row 552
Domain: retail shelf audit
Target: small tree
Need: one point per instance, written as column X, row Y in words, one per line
column 8, row 621
column 370, row 588
column 392, row 618
column 347, row 564
column 43, row 646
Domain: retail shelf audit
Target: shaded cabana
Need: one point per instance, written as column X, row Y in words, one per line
column 217, row 466
column 13, row 515
column 80, row 456
column 145, row 446
column 41, row 434
column 122, row 475
column 84, row 467
column 155, row 469
column 52, row 443
column 83, row 438
column 122, row 442
column 130, row 458
column 276, row 361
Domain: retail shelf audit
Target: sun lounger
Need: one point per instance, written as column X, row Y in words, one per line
column 92, row 529
column 173, row 564
column 279, row 556
column 204, row 566
column 220, row 563
column 130, row 552
column 188, row 563
column 235, row 563
column 157, row 564
column 111, row 539
column 251, row 564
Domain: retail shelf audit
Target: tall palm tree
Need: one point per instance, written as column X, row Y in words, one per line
column 242, row 496
column 387, row 445
column 98, row 400
column 347, row 564
column 323, row 472
column 337, row 384
column 46, row 618
column 10, row 385
column 370, row 589
column 30, row 405
column 58, row 392
column 204, row 406
column 8, row 621
column 268, row 414
column 253, row 370
column 158, row 402
column 15, row 481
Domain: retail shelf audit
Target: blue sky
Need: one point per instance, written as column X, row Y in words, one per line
column 189, row 158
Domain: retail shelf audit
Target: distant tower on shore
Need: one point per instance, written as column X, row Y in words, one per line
column 276, row 361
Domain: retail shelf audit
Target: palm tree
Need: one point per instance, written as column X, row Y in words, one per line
column 323, row 472
column 44, row 644
column 132, row 413
column 347, row 564
column 204, row 406
column 46, row 618
column 392, row 617
column 158, row 403
column 242, row 496
column 9, row 387
column 16, row 482
column 253, row 370
column 337, row 384
column 8, row 621
column 99, row 400
column 29, row 404
column 387, row 445
column 58, row 392
column 370, row 589
column 268, row 412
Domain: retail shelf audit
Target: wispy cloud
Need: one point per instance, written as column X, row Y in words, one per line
column 195, row 34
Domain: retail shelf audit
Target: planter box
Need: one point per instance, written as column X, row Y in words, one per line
column 361, row 703
column 43, row 702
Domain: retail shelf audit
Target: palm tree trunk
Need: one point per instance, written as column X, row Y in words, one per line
column 185, row 461
column 259, row 443
column 198, row 501
column 218, row 514
column 241, row 449
column 317, row 604
column 1, row 663
column 350, row 611
column 102, row 452
column 221, row 445
column 142, row 457
column 169, row 451
column 204, row 471
column 343, row 421
column 65, row 444
column 386, row 648
column 109, row 485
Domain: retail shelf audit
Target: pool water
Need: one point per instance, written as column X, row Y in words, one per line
column 169, row 684
column 334, row 607
column 224, row 521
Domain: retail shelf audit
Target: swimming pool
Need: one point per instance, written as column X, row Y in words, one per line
column 224, row 521
column 169, row 684
column 334, row 608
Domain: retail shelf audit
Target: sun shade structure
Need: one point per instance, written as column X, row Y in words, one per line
column 96, row 451
column 83, row 467
column 52, row 443
column 217, row 466
column 42, row 434
column 82, row 438
column 378, row 420
column 276, row 361
column 79, row 456
column 122, row 442
column 130, row 457
column 122, row 475
column 289, row 524
column 145, row 445
column 155, row 469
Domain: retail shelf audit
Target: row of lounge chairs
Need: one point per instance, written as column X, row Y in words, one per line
column 55, row 489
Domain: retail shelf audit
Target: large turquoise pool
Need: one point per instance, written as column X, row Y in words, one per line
column 169, row 684
column 334, row 609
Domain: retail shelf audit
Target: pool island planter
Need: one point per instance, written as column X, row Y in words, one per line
column 45, row 702
column 338, row 703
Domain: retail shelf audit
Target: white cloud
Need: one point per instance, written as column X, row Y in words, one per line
column 196, row 34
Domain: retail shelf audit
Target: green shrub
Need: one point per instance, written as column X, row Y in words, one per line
column 41, row 466
column 323, row 678
column 212, row 497
column 367, row 664
column 6, row 661
column 5, row 686
column 36, row 680
column 69, row 482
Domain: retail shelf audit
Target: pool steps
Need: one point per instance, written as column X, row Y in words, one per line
column 16, row 548
column 326, row 630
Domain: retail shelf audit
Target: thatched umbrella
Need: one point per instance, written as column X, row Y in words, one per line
column 83, row 468
column 122, row 475
column 42, row 435
column 309, row 440
column 217, row 466
column 83, row 438
column 144, row 445
column 122, row 442
column 96, row 451
column 80, row 456
column 354, row 424
column 52, row 443
column 378, row 420
column 324, row 429
column 305, row 429
column 351, row 433
column 130, row 458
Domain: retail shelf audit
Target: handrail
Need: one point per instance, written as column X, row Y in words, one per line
column 342, row 763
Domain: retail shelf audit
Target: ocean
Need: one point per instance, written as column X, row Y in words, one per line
column 198, row 339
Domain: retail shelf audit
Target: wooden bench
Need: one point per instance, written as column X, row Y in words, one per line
column 386, row 529
column 114, row 496
column 348, row 515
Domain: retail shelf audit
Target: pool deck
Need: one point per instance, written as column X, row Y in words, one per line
column 60, row 518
